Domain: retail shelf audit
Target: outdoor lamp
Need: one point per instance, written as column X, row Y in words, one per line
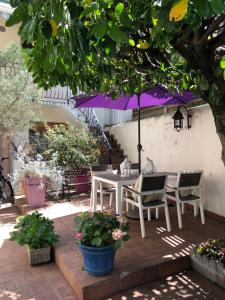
column 178, row 119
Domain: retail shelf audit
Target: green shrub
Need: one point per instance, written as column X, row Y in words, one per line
column 35, row 231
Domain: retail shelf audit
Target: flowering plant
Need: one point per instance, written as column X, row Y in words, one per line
column 101, row 229
column 36, row 167
column 213, row 249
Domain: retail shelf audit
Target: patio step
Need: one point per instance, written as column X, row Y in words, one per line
column 87, row 287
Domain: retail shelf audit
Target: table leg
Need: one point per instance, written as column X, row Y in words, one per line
column 118, row 199
column 94, row 195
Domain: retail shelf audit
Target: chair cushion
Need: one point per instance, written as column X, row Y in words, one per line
column 145, row 198
column 186, row 193
column 153, row 203
column 189, row 197
column 149, row 203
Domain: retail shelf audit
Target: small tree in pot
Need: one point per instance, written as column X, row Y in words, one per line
column 37, row 233
column 75, row 148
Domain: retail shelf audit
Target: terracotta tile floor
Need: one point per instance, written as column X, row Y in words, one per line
column 20, row 281
column 185, row 285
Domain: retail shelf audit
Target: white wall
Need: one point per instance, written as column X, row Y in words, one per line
column 197, row 148
column 112, row 116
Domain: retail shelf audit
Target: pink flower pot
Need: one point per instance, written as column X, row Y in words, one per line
column 35, row 191
column 82, row 183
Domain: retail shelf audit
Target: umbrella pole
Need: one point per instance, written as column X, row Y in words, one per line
column 139, row 146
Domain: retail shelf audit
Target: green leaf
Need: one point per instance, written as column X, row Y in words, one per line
column 119, row 9
column 118, row 36
column 222, row 62
column 17, row 16
column 218, row 6
column 96, row 241
column 131, row 42
column 58, row 11
column 203, row 8
column 28, row 31
column 14, row 3
column 224, row 74
column 46, row 29
column 99, row 30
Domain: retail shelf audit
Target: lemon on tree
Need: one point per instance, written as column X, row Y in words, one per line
column 54, row 27
column 178, row 10
column 143, row 45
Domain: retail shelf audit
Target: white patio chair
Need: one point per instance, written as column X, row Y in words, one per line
column 187, row 190
column 103, row 188
column 150, row 194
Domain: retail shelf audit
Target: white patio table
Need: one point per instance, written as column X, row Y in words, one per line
column 115, row 180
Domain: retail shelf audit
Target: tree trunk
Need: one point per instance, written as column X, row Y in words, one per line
column 219, row 118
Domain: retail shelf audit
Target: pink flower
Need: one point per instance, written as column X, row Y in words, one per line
column 118, row 234
column 78, row 236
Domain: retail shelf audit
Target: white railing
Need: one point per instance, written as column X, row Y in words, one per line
column 59, row 95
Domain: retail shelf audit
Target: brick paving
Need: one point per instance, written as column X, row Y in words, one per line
column 18, row 280
column 185, row 285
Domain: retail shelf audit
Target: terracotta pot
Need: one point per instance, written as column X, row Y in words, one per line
column 35, row 192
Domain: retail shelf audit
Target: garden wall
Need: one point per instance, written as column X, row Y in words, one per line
column 197, row 148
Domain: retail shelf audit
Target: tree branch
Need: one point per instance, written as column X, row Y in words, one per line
column 212, row 28
column 218, row 41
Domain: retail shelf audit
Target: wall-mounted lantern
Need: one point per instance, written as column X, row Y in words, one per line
column 178, row 118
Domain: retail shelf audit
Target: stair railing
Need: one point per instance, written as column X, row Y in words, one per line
column 63, row 96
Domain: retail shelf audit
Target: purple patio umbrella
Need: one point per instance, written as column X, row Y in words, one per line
column 157, row 96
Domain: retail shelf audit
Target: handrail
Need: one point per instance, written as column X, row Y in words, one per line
column 64, row 97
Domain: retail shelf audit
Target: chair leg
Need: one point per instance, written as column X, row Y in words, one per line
column 110, row 199
column 167, row 218
column 202, row 212
column 91, row 197
column 127, row 206
column 195, row 209
column 157, row 213
column 149, row 214
column 179, row 215
column 101, row 201
column 182, row 208
column 142, row 222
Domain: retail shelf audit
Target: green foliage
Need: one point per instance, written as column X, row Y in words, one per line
column 214, row 249
column 35, row 231
column 18, row 94
column 74, row 146
column 95, row 47
column 101, row 229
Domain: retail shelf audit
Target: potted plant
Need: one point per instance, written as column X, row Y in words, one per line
column 34, row 174
column 99, row 236
column 37, row 233
column 208, row 259
column 76, row 148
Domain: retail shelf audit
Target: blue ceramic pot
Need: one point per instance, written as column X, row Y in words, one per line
column 98, row 261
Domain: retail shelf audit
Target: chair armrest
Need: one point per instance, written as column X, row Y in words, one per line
column 126, row 188
column 172, row 187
